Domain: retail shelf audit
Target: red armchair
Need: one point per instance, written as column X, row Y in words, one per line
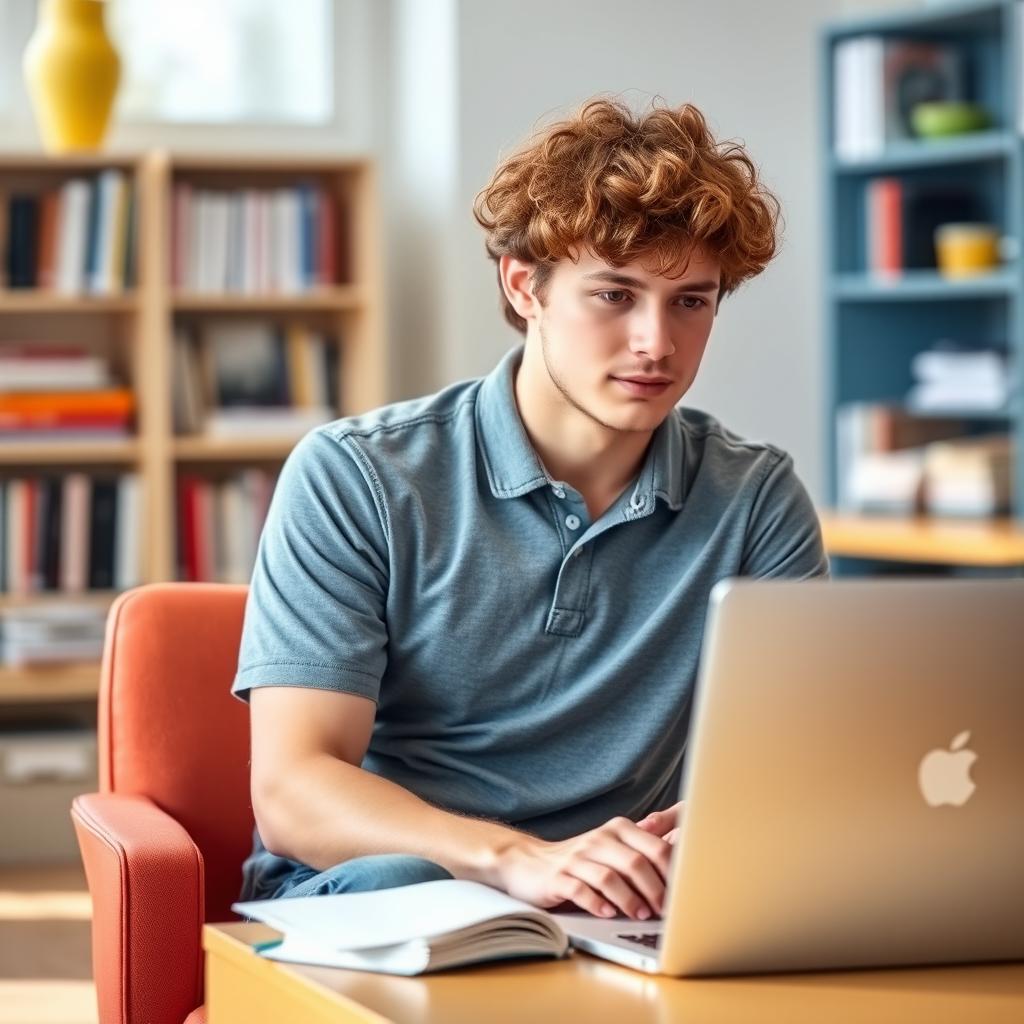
column 164, row 839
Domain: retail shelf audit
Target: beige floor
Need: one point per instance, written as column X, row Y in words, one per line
column 45, row 970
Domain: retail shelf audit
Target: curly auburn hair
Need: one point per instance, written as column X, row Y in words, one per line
column 629, row 187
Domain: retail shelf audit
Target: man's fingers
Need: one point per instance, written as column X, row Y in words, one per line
column 606, row 881
column 656, row 822
column 575, row 890
column 636, row 870
column 660, row 822
column 653, row 847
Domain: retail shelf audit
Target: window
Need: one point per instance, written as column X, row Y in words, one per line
column 233, row 61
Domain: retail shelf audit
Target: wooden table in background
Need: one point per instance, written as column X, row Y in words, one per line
column 244, row 988
column 993, row 543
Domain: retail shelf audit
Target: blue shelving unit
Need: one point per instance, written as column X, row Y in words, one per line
column 876, row 326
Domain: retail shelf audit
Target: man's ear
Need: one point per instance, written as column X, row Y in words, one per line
column 515, row 281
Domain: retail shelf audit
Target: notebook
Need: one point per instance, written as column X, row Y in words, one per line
column 410, row 930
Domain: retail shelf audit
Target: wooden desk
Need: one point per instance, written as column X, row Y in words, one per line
column 244, row 988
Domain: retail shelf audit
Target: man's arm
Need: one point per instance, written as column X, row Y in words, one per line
column 315, row 805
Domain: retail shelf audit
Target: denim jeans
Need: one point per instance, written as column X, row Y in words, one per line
column 266, row 876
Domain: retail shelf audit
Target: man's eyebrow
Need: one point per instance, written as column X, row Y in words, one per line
column 632, row 282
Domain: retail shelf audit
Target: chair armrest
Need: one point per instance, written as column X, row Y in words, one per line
column 145, row 877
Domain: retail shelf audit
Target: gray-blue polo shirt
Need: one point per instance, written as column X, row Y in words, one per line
column 529, row 665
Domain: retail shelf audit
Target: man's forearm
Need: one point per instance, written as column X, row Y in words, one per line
column 327, row 811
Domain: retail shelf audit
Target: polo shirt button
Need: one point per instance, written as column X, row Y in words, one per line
column 572, row 522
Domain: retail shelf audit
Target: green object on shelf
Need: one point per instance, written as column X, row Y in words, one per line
column 936, row 120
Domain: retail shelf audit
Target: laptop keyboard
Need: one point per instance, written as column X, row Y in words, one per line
column 652, row 940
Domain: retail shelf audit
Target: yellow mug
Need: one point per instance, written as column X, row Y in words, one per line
column 966, row 249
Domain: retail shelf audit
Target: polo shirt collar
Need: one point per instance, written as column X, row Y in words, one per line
column 514, row 468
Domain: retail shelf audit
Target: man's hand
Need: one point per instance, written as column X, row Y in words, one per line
column 615, row 868
column 664, row 823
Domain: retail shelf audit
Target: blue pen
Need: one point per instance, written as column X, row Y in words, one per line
column 259, row 947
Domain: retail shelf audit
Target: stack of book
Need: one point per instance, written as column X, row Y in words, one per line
column 878, row 81
column 60, row 391
column 51, row 633
column 960, row 381
column 253, row 241
column 77, row 239
column 969, row 476
column 69, row 533
column 880, row 456
column 252, row 378
column 219, row 524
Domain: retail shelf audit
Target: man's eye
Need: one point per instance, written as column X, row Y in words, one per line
column 696, row 303
column 615, row 297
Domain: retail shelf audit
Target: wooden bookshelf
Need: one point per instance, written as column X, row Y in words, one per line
column 136, row 328
column 995, row 543
column 204, row 449
column 68, row 453
column 329, row 300
column 49, row 684
column 13, row 300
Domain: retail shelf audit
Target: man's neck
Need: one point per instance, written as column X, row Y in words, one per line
column 596, row 460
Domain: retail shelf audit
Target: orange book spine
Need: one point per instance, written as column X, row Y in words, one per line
column 118, row 401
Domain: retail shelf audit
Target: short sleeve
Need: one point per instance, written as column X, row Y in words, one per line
column 315, row 612
column 784, row 535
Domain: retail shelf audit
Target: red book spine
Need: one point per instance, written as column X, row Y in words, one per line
column 885, row 226
column 187, row 528
column 327, row 239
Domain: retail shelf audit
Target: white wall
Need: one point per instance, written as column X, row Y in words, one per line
column 752, row 68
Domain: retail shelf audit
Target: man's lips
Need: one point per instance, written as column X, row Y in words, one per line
column 639, row 379
column 643, row 387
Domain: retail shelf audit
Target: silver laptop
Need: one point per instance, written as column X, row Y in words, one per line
column 854, row 784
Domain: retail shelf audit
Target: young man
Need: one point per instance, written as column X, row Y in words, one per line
column 473, row 631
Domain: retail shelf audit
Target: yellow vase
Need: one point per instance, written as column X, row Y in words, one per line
column 72, row 71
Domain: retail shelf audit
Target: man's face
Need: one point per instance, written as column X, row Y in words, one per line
column 623, row 345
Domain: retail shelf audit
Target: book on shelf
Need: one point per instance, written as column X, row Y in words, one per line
column 69, row 534
column 50, row 750
column 417, row 928
column 969, row 476
column 77, row 239
column 219, row 524
column 949, row 378
column 51, row 634
column 884, row 225
column 252, row 241
column 879, row 80
column 34, row 366
column 253, row 378
column 97, row 414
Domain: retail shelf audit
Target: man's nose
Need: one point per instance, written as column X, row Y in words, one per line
column 653, row 336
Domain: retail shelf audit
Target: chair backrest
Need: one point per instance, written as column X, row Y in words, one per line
column 168, row 726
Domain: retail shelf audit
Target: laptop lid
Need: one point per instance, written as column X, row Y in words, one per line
column 854, row 779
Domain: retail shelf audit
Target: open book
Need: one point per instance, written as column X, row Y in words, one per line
column 409, row 930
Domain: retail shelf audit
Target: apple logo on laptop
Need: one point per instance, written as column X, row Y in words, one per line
column 945, row 776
